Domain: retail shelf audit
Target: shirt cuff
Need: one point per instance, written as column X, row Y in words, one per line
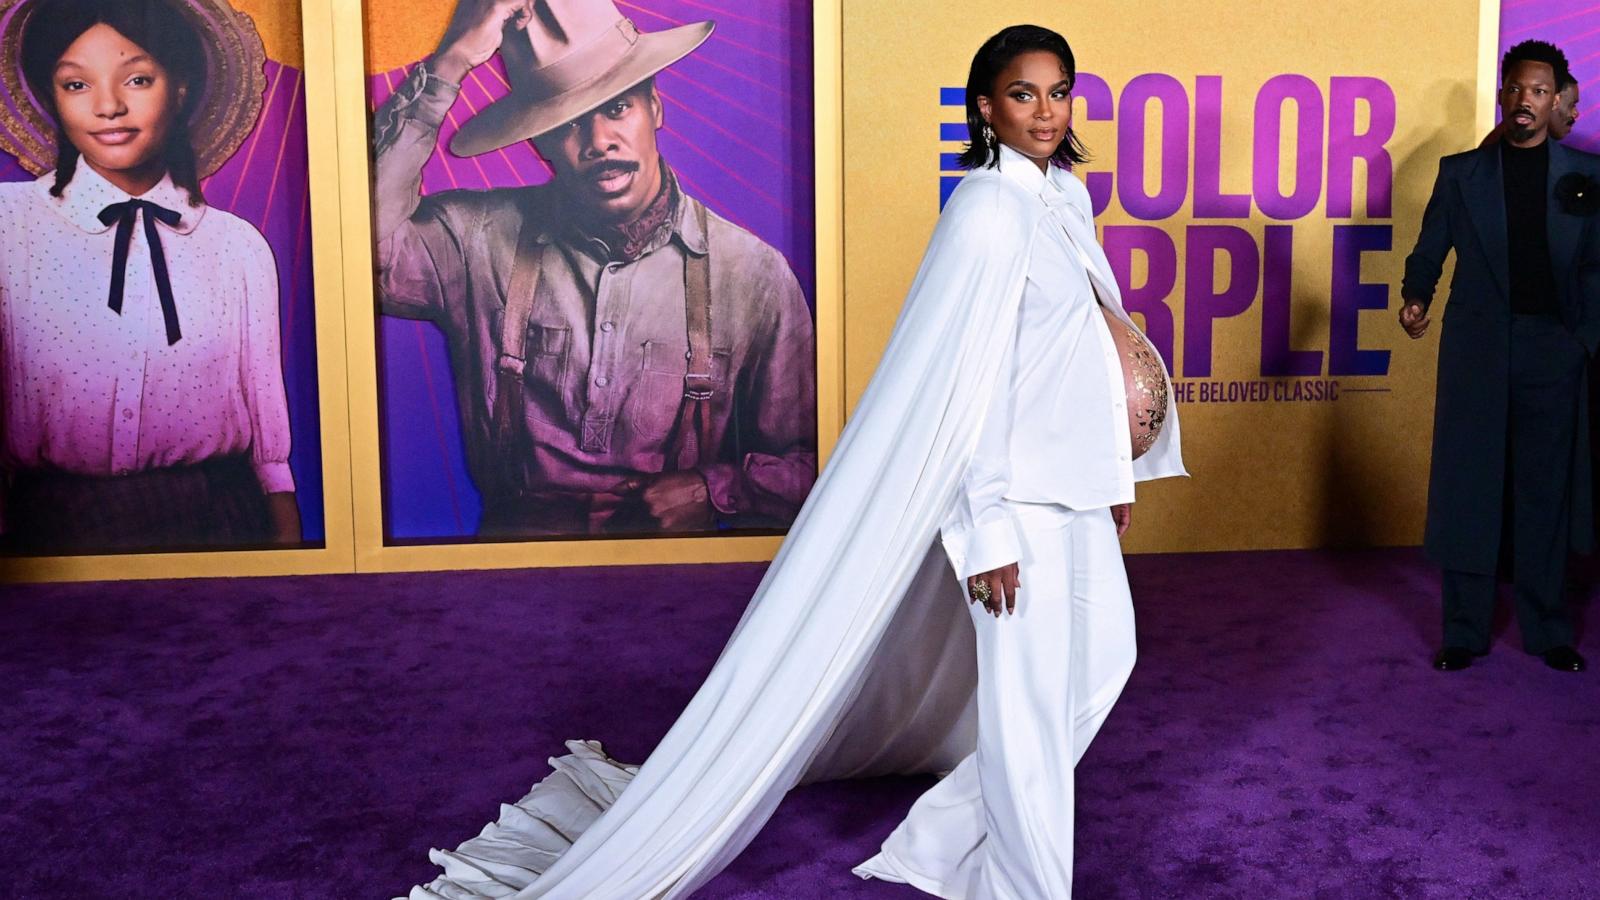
column 422, row 97
column 985, row 548
column 433, row 101
column 725, row 484
column 275, row 477
column 1415, row 296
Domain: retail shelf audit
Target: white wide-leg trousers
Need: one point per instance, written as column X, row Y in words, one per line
column 999, row 827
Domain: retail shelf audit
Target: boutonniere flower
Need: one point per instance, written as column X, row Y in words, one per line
column 1579, row 194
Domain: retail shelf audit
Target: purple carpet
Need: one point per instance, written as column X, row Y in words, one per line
column 1281, row 737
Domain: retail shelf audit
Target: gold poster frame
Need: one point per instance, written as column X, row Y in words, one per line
column 371, row 553
column 328, row 278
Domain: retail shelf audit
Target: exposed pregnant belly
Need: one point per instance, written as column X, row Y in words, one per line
column 1144, row 382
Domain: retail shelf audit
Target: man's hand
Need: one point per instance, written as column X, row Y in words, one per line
column 675, row 501
column 1001, row 587
column 1122, row 514
column 474, row 35
column 1413, row 319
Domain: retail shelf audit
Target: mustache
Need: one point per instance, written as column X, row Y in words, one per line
column 609, row 168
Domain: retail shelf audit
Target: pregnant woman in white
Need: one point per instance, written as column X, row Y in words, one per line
column 1013, row 411
column 1034, row 528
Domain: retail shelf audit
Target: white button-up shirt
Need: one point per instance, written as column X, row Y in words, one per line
column 1057, row 427
column 87, row 391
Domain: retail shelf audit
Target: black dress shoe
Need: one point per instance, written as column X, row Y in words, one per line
column 1453, row 659
column 1563, row 659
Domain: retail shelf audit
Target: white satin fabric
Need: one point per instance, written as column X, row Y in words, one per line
column 808, row 688
column 1057, row 428
column 1000, row 826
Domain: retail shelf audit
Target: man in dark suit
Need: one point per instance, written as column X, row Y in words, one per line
column 1510, row 475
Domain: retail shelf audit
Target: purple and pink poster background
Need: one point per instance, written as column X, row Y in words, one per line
column 265, row 183
column 738, row 135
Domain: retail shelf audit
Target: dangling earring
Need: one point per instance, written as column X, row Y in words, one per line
column 988, row 134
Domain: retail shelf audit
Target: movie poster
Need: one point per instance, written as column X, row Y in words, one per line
column 158, row 379
column 594, row 254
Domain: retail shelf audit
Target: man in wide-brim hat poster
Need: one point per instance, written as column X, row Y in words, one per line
column 626, row 361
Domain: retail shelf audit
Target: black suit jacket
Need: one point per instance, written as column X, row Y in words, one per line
column 1467, row 214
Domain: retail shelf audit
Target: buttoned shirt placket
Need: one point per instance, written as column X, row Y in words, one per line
column 609, row 306
column 1118, row 409
column 129, row 394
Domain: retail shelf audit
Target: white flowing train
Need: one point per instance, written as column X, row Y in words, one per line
column 808, row 687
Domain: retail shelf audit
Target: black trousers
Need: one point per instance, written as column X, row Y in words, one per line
column 1546, row 365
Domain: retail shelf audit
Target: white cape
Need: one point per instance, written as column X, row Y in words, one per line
column 807, row 689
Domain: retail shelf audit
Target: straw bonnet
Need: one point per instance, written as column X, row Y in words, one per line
column 570, row 57
column 223, row 117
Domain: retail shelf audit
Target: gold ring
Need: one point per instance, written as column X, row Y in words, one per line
column 980, row 591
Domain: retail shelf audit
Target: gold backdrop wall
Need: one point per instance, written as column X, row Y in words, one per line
column 1311, row 423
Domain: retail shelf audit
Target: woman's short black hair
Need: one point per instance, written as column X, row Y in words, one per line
column 991, row 59
column 1539, row 52
column 155, row 25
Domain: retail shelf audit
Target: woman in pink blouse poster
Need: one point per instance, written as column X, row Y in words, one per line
column 142, row 396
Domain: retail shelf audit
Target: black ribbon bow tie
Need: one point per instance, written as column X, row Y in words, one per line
column 123, row 214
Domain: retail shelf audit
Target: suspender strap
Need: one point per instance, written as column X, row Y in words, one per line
column 513, row 338
column 697, row 308
column 692, row 438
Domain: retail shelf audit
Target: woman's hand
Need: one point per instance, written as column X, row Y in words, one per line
column 284, row 514
column 994, row 587
column 1122, row 514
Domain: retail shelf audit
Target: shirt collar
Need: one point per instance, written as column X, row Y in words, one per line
column 688, row 224
column 88, row 193
column 1049, row 185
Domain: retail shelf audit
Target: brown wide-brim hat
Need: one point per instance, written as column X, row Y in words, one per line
column 221, row 119
column 570, row 57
